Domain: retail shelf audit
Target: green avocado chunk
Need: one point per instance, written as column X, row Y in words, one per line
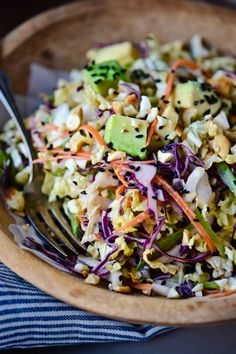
column 127, row 134
column 193, row 94
column 104, row 75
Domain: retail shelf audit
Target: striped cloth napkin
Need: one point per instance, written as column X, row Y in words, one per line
column 30, row 318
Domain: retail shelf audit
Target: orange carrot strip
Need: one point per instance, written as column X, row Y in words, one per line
column 94, row 133
column 142, row 286
column 119, row 191
column 187, row 210
column 55, row 151
column 121, row 177
column 129, row 162
column 82, row 156
column 171, row 77
column 122, row 167
column 220, row 293
column 151, row 131
column 136, row 220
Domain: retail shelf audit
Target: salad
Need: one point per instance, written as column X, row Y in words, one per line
column 140, row 147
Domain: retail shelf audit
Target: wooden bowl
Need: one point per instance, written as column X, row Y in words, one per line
column 59, row 39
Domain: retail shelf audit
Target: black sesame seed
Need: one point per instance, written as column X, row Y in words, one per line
column 109, row 210
column 208, row 111
column 161, row 127
column 132, row 167
column 101, row 169
column 166, row 137
column 154, row 197
column 75, row 183
column 143, row 149
column 50, row 147
column 179, row 102
column 43, row 123
column 202, row 101
column 157, row 80
column 128, row 173
column 110, row 145
column 137, row 168
column 131, row 184
column 115, row 177
column 139, row 136
column 166, row 101
column 83, row 192
column 98, row 81
column 196, row 103
column 176, row 110
column 66, row 149
column 211, row 99
column 136, row 129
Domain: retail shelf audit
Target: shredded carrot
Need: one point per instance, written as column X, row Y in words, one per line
column 118, row 169
column 129, row 202
column 121, row 166
column 171, row 77
column 218, row 293
column 119, row 191
column 129, row 162
column 121, row 177
column 94, row 133
column 151, row 131
column 187, row 210
column 98, row 236
column 136, row 220
column 142, row 286
column 81, row 156
column 54, row 151
column 83, row 219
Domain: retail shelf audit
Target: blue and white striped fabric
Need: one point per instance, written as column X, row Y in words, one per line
column 30, row 318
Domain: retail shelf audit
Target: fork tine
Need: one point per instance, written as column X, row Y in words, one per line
column 37, row 224
column 55, row 229
column 56, row 211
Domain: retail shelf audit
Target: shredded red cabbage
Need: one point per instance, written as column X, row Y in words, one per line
column 200, row 257
column 149, row 242
column 130, row 88
column 185, row 290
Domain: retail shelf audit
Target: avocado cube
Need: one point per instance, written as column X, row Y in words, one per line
column 127, row 134
column 200, row 96
column 125, row 53
column 104, row 75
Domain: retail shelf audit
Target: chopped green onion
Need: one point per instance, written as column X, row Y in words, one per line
column 216, row 240
column 227, row 176
column 211, row 285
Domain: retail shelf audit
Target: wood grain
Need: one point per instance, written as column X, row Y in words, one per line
column 59, row 39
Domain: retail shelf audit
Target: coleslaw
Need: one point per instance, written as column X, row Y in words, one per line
column 140, row 147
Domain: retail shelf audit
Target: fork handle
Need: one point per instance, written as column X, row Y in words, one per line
column 7, row 99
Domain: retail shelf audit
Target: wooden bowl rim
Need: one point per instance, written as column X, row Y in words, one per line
column 132, row 308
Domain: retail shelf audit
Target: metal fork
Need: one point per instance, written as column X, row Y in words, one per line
column 47, row 218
